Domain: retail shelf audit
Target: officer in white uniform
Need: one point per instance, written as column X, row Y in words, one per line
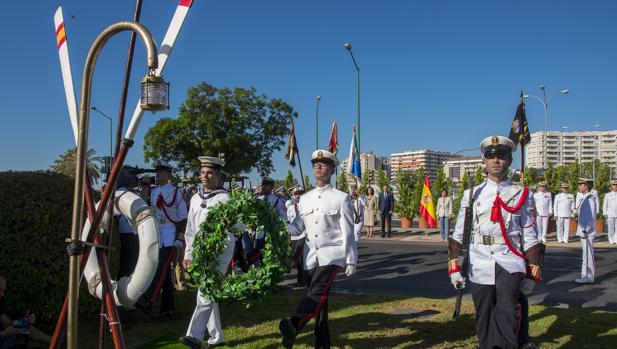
column 544, row 209
column 297, row 241
column 171, row 211
column 326, row 214
column 564, row 211
column 206, row 314
column 358, row 201
column 586, row 229
column 498, row 260
column 609, row 209
column 276, row 202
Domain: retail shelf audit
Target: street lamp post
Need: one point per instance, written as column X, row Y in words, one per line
column 595, row 154
column 545, row 102
column 317, row 124
column 347, row 46
column 111, row 151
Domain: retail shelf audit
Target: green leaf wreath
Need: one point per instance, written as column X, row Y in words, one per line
column 210, row 242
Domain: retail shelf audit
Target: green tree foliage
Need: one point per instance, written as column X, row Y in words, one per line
column 382, row 179
column 479, row 177
column 404, row 206
column 366, row 182
column 307, row 183
column 342, row 183
column 245, row 126
column 418, row 179
column 66, row 163
column 440, row 184
column 456, row 205
column 290, row 181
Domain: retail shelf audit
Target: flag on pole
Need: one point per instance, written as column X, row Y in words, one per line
column 427, row 209
column 353, row 163
column 65, row 66
column 292, row 146
column 519, row 131
column 333, row 142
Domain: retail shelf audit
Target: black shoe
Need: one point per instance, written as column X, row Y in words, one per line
column 163, row 315
column 143, row 304
column 208, row 346
column 383, row 235
column 289, row 332
column 389, row 236
column 190, row 342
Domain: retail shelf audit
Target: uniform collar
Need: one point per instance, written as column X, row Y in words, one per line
column 324, row 188
column 494, row 185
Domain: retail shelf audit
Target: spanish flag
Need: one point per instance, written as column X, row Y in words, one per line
column 427, row 209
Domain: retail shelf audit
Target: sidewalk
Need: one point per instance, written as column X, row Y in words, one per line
column 433, row 236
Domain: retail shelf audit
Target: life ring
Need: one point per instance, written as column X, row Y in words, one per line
column 128, row 289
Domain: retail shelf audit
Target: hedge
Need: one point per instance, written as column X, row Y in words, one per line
column 35, row 218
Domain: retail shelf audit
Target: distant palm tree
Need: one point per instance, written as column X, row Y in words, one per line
column 65, row 164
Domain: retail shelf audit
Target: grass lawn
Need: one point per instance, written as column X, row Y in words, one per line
column 364, row 322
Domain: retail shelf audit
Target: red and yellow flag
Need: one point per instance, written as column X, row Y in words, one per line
column 427, row 209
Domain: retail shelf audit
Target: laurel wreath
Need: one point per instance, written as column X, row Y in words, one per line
column 210, row 242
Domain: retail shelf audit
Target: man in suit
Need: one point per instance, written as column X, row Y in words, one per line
column 386, row 206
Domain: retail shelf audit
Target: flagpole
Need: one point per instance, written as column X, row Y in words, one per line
column 300, row 166
column 522, row 143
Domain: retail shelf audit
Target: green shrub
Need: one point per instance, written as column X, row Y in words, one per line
column 35, row 218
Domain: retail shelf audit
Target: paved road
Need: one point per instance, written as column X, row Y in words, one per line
column 418, row 269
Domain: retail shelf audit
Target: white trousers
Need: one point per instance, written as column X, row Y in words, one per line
column 611, row 221
column 542, row 225
column 207, row 314
column 588, row 267
column 563, row 229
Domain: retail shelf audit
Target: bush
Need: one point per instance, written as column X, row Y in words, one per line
column 35, row 218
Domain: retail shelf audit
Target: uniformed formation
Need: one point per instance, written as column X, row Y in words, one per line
column 505, row 252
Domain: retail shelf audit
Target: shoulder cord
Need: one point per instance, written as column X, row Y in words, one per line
column 161, row 204
column 496, row 216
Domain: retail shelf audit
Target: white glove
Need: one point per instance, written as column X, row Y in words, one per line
column 456, row 279
column 178, row 244
column 527, row 286
column 350, row 270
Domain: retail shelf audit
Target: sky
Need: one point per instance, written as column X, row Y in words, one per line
column 438, row 74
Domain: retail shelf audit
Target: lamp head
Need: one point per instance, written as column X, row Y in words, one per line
column 542, row 87
column 347, row 46
column 154, row 93
column 318, row 98
column 565, row 92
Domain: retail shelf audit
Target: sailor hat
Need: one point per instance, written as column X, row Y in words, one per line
column 497, row 145
column 565, row 185
column 281, row 189
column 614, row 182
column 324, row 156
column 582, row 180
column 541, row 184
column 211, row 161
column 163, row 165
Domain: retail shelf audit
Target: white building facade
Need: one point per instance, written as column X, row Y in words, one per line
column 457, row 167
column 564, row 148
column 413, row 160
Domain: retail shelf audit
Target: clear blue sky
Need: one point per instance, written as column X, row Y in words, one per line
column 435, row 74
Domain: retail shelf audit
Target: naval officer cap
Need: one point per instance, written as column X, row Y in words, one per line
column 582, row 180
column 211, row 162
column 542, row 184
column 325, row 157
column 614, row 182
column 161, row 165
column 565, row 185
column 497, row 145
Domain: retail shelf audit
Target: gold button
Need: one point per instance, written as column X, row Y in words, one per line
column 316, row 209
column 316, row 248
column 316, row 222
column 319, row 197
column 315, row 235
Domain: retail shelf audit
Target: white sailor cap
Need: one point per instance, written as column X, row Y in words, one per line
column 541, row 184
column 211, row 161
column 163, row 164
column 497, row 145
column 614, row 182
column 565, row 185
column 267, row 180
column 582, row 180
column 325, row 157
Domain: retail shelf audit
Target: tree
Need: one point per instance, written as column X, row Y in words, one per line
column 366, row 182
column 403, row 205
column 418, row 179
column 382, row 179
column 342, row 183
column 456, row 205
column 239, row 123
column 440, row 184
column 290, row 180
column 479, row 176
column 66, row 163
column 307, row 183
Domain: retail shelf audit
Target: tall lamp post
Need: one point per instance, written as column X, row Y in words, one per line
column 111, row 151
column 317, row 124
column 347, row 46
column 545, row 102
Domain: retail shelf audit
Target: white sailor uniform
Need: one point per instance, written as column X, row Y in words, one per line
column 586, row 230
column 544, row 209
column 564, row 211
column 206, row 314
column 609, row 209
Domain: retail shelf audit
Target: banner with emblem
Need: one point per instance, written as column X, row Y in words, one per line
column 292, row 146
column 333, row 141
column 519, row 131
column 427, row 209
